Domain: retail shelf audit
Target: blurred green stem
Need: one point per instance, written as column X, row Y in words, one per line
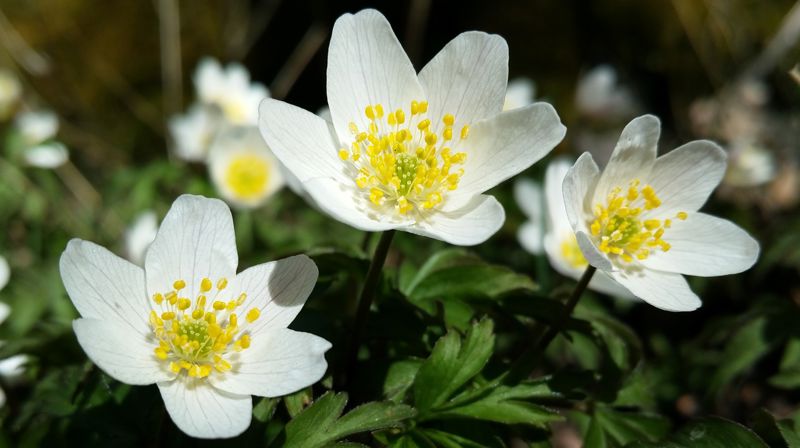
column 365, row 302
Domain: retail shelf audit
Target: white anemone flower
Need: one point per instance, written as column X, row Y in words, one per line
column 553, row 234
column 207, row 336
column 639, row 222
column 5, row 273
column 194, row 131
column 139, row 235
column 10, row 93
column 599, row 95
column 750, row 165
column 242, row 167
column 229, row 89
column 411, row 152
column 37, row 129
column 48, row 155
column 520, row 93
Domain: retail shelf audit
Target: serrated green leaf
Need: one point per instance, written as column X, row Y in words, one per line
column 399, row 379
column 741, row 352
column 710, row 432
column 447, row 440
column 452, row 363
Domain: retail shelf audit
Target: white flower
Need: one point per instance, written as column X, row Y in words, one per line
column 10, row 93
column 229, row 89
column 520, row 93
column 48, row 155
column 194, row 131
column 12, row 368
column 750, row 165
column 639, row 220
column 555, row 236
column 599, row 95
column 5, row 274
column 242, row 167
column 411, row 152
column 207, row 336
column 139, row 235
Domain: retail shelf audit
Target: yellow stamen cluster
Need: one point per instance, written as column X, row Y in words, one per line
column 196, row 335
column 247, row 175
column 571, row 252
column 620, row 229
column 399, row 161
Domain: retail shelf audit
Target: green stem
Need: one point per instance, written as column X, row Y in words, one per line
column 365, row 301
column 523, row 366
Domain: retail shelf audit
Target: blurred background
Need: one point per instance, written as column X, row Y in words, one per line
column 112, row 75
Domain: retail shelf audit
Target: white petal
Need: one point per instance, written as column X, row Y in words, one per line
column 467, row 78
column 208, row 78
column 193, row 131
column 47, row 155
column 301, row 140
column 473, row 224
column 104, row 286
column 277, row 363
column 124, row 355
column 279, row 289
column 665, row 290
column 600, row 282
column 633, row 157
column 230, row 146
column 557, row 219
column 591, row 253
column 347, row 204
column 504, row 146
column 706, row 246
column 578, row 187
column 139, row 236
column 686, row 176
column 530, row 236
column 13, row 367
column 195, row 241
column 528, row 195
column 37, row 126
column 367, row 66
column 5, row 273
column 200, row 410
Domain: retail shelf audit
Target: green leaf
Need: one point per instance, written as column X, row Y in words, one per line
column 452, row 363
column 320, row 425
column 744, row 349
column 710, row 432
column 448, row 440
column 775, row 432
column 788, row 376
column 400, row 378
column 265, row 409
column 297, row 401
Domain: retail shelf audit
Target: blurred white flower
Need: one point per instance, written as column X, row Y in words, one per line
column 412, row 152
column 749, row 165
column 139, row 236
column 519, row 93
column 194, row 131
column 638, row 220
column 12, row 368
column 599, row 95
column 10, row 93
column 209, row 338
column 5, row 275
column 48, row 155
column 554, row 233
column 230, row 89
column 242, row 167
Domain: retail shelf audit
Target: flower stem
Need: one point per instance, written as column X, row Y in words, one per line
column 365, row 301
column 523, row 366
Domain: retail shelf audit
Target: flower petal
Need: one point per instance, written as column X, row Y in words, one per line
column 277, row 363
column 504, row 146
column 591, row 253
column 124, row 355
column 578, row 187
column 686, row 176
column 278, row 289
column 557, row 219
column 348, row 205
column 473, row 224
column 5, row 272
column 104, row 286
column 49, row 155
column 195, row 241
column 601, row 281
column 665, row 290
column 202, row 411
column 301, row 140
column 633, row 157
column 367, row 66
column 705, row 245
column 530, row 235
column 467, row 79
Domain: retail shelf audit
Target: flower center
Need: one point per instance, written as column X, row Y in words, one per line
column 197, row 335
column 247, row 175
column 571, row 252
column 401, row 163
column 620, row 229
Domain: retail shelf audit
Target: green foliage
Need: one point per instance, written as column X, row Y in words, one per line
column 710, row 432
